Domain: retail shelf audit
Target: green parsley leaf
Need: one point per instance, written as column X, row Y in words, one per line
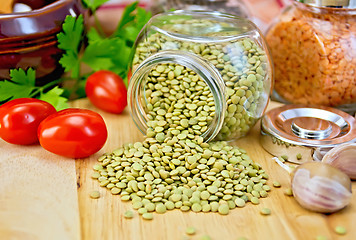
column 21, row 77
column 111, row 53
column 98, row 55
column 94, row 4
column 71, row 36
column 21, row 84
column 127, row 16
column 70, row 62
column 142, row 17
column 93, row 36
column 69, row 40
column 122, row 59
column 54, row 97
column 131, row 23
column 114, row 55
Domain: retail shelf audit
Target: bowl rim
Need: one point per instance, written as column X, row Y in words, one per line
column 41, row 11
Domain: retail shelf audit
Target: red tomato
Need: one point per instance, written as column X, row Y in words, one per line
column 74, row 133
column 107, row 91
column 19, row 119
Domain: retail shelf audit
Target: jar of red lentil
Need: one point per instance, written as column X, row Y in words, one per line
column 313, row 45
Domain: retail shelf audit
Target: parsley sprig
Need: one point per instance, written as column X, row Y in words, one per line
column 22, row 84
column 101, row 53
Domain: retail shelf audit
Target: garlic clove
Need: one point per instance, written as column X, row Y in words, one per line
column 343, row 157
column 320, row 187
column 20, row 7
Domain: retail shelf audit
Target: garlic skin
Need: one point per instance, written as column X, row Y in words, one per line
column 343, row 157
column 320, row 187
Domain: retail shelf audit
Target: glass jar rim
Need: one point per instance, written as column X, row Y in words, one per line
column 245, row 25
column 203, row 68
column 341, row 5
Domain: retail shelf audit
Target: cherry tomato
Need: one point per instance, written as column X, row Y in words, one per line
column 74, row 133
column 107, row 91
column 20, row 118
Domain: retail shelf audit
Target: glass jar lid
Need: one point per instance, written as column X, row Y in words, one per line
column 300, row 132
column 349, row 4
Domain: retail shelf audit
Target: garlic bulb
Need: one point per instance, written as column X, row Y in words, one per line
column 343, row 157
column 320, row 187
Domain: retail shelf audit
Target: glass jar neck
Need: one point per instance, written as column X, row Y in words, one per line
column 204, row 69
column 324, row 8
column 202, row 2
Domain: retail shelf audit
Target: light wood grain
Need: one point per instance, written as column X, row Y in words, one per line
column 38, row 195
column 103, row 218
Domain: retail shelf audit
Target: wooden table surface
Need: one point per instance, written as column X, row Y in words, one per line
column 44, row 196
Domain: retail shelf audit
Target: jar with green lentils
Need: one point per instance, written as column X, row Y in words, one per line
column 199, row 73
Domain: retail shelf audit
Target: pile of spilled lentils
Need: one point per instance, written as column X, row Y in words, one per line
column 173, row 168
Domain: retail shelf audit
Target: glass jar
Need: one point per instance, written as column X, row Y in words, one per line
column 237, row 8
column 313, row 45
column 209, row 68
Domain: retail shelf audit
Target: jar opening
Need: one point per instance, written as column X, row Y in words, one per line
column 208, row 73
column 183, row 24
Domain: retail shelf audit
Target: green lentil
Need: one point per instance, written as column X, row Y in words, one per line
column 95, row 175
column 299, row 156
column 137, row 205
column 95, row 194
column 184, row 208
column 214, row 206
column 125, row 198
column 128, row 214
column 276, row 184
column 321, row 237
column 223, row 209
column 196, row 207
column 240, row 202
column 147, row 216
column 265, row 211
column 115, row 190
column 150, row 207
column 255, row 200
column 340, row 230
column 161, row 208
column 142, row 210
column 288, row 192
column 205, row 237
column 263, row 194
column 190, row 230
column 169, row 205
column 284, row 157
column 281, row 159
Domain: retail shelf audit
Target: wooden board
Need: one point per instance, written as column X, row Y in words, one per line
column 38, row 195
column 39, row 199
column 103, row 218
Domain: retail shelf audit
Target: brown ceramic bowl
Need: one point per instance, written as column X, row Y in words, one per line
column 29, row 39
